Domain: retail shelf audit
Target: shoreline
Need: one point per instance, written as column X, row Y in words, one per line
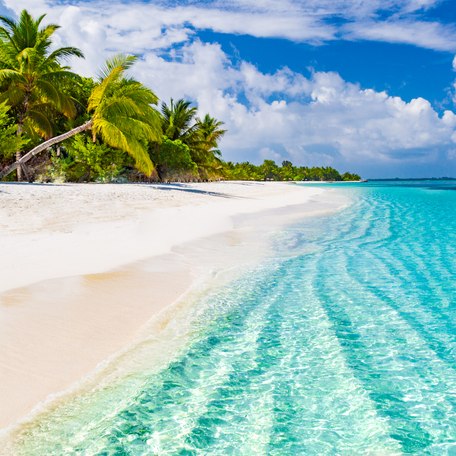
column 64, row 233
column 100, row 316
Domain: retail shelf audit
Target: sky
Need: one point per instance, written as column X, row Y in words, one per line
column 367, row 86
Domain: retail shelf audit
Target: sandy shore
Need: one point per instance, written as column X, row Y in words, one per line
column 85, row 267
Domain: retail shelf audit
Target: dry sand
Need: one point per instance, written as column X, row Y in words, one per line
column 83, row 268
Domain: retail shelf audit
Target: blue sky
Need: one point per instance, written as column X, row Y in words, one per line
column 366, row 85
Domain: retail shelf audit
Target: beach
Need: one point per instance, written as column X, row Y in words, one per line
column 85, row 267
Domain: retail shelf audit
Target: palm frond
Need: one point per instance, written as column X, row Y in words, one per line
column 39, row 121
column 13, row 95
column 112, row 73
column 7, row 56
column 61, row 101
column 178, row 119
column 65, row 52
column 116, row 138
column 10, row 23
column 122, row 61
column 10, row 75
column 137, row 91
column 61, row 75
column 123, row 113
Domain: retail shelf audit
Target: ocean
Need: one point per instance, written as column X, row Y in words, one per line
column 341, row 342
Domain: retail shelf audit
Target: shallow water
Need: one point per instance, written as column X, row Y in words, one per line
column 342, row 342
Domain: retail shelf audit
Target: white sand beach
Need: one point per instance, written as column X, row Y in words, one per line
column 85, row 267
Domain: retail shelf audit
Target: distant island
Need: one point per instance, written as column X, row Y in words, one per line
column 57, row 126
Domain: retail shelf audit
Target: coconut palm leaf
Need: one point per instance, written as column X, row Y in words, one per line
column 39, row 122
column 64, row 52
column 110, row 74
column 7, row 74
column 60, row 100
column 12, row 95
column 118, row 135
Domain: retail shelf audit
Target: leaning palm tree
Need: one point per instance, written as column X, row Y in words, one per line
column 32, row 78
column 121, row 113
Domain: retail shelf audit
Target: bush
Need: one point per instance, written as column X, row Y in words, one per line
column 174, row 162
column 85, row 161
column 10, row 142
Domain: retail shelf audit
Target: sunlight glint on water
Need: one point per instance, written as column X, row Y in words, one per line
column 342, row 343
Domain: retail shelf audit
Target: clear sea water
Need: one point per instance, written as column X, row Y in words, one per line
column 341, row 343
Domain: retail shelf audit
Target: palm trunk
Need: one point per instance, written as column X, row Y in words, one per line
column 19, row 168
column 22, row 115
column 44, row 146
column 18, row 152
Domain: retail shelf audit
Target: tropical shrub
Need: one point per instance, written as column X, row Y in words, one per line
column 82, row 160
column 174, row 161
column 9, row 140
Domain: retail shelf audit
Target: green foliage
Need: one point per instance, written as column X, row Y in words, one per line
column 241, row 171
column 350, row 177
column 122, row 112
column 31, row 75
column 83, row 160
column 9, row 140
column 178, row 121
column 174, row 161
column 201, row 136
column 269, row 170
column 58, row 170
column 80, row 94
column 204, row 150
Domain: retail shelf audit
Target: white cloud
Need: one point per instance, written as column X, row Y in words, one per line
column 321, row 118
column 160, row 24
column 452, row 89
column 416, row 5
column 431, row 35
column 149, row 25
column 268, row 154
column 342, row 8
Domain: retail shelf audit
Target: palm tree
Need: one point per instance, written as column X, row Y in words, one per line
column 210, row 132
column 31, row 75
column 205, row 150
column 121, row 114
column 178, row 121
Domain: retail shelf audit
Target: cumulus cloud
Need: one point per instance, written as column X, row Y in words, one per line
column 315, row 119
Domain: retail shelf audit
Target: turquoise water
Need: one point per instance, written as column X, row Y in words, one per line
column 341, row 343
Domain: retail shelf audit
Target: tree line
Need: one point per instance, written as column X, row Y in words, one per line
column 56, row 125
column 269, row 170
